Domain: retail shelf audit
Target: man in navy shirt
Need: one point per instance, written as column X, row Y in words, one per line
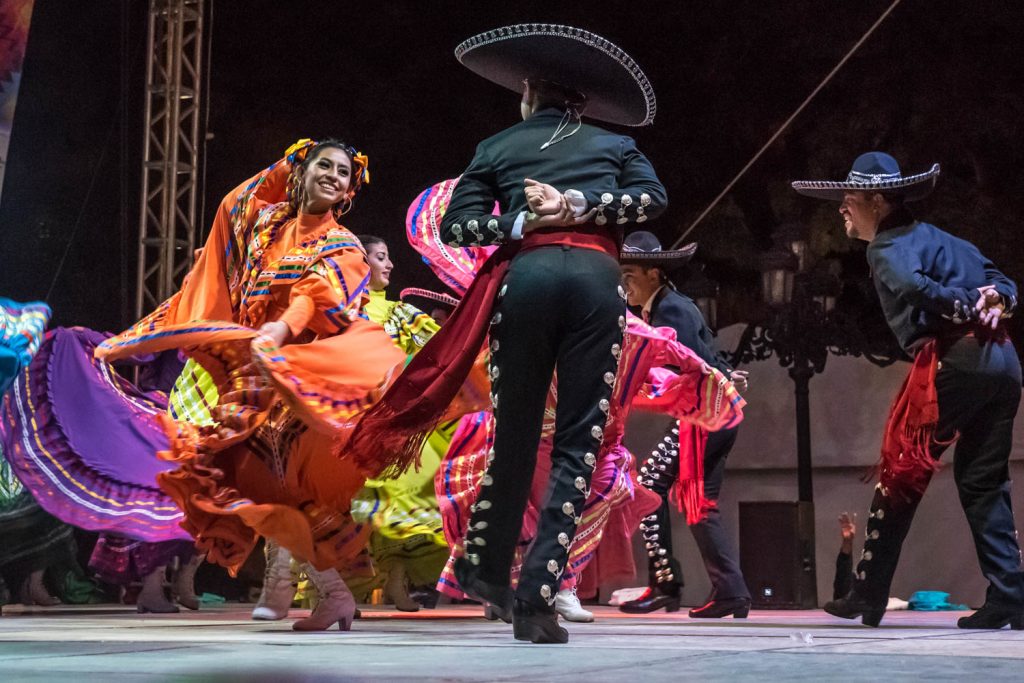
column 651, row 294
column 944, row 302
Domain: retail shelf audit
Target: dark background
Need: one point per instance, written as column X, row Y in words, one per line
column 940, row 81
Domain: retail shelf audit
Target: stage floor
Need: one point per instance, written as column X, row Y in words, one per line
column 455, row 643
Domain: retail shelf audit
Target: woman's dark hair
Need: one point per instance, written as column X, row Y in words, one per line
column 329, row 143
column 369, row 240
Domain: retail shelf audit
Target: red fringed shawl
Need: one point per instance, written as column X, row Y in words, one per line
column 906, row 460
column 689, row 487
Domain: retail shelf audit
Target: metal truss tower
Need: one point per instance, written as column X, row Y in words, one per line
column 170, row 165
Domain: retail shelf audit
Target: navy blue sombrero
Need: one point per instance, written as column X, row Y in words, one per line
column 873, row 172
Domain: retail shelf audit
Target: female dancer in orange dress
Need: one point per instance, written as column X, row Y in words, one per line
column 272, row 312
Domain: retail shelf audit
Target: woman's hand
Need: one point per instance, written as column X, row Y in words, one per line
column 276, row 331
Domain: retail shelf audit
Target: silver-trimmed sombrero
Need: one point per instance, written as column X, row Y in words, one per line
column 873, row 172
column 644, row 248
column 616, row 87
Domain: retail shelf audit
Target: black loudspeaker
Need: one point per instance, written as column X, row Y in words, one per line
column 777, row 554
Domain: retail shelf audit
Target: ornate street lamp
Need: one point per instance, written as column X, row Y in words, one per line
column 800, row 325
column 778, row 268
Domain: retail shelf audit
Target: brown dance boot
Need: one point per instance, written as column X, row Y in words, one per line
column 335, row 602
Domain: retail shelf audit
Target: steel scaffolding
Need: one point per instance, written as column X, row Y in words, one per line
column 170, row 165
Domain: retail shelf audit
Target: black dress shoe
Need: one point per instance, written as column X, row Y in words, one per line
column 497, row 598
column 852, row 607
column 535, row 624
column 994, row 616
column 653, row 599
column 739, row 608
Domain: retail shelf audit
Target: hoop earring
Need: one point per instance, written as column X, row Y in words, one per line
column 342, row 208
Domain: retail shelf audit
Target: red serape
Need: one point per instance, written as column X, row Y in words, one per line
column 688, row 490
column 910, row 430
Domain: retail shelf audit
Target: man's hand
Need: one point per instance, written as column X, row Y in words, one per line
column 565, row 217
column 848, row 528
column 739, row 378
column 276, row 331
column 848, row 525
column 990, row 306
column 543, row 199
column 549, row 208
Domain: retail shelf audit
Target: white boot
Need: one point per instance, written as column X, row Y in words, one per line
column 334, row 602
column 152, row 597
column 278, row 587
column 567, row 604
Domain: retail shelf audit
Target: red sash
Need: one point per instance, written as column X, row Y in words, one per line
column 906, row 460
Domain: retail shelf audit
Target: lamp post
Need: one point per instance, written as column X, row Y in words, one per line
column 800, row 324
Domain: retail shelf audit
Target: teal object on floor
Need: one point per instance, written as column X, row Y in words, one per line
column 933, row 601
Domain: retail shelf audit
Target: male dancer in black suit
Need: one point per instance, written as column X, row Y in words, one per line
column 564, row 189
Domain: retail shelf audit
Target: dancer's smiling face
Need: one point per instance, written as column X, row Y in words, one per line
column 325, row 180
column 862, row 212
column 640, row 283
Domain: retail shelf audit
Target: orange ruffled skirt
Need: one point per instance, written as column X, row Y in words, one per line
column 272, row 464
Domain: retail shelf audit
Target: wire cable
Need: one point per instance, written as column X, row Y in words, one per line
column 786, row 123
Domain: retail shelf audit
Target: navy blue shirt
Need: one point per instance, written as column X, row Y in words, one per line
column 928, row 280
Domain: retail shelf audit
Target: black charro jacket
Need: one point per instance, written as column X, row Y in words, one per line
column 613, row 175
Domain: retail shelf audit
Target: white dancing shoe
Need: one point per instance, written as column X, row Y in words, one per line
column 334, row 602
column 278, row 587
column 567, row 604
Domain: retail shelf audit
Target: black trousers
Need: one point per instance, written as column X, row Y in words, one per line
column 717, row 550
column 979, row 388
column 560, row 308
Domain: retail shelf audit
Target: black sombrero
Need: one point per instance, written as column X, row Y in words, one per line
column 873, row 172
column 643, row 248
column 616, row 88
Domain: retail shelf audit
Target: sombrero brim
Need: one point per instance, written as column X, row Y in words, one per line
column 672, row 257
column 438, row 297
column 616, row 88
column 912, row 188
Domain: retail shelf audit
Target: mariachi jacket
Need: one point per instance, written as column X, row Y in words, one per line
column 611, row 173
